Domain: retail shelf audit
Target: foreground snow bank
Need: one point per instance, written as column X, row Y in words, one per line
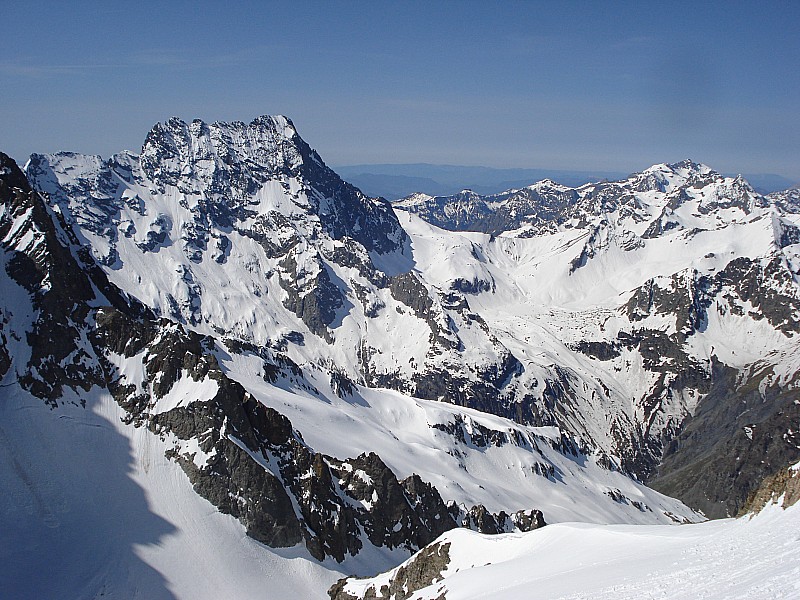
column 750, row 557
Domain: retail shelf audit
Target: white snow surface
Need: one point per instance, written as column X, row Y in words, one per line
column 92, row 508
column 95, row 504
column 510, row 477
column 751, row 558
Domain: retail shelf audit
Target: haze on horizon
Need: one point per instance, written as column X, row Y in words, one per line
column 518, row 84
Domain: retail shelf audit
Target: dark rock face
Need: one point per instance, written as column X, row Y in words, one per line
column 474, row 286
column 408, row 289
column 37, row 246
column 425, row 569
column 5, row 356
column 688, row 297
column 787, row 200
column 599, row 350
column 769, row 288
column 784, row 484
column 257, row 468
column 738, row 436
column 481, row 520
column 238, row 485
column 485, row 392
column 495, row 214
column 407, row 514
column 316, row 301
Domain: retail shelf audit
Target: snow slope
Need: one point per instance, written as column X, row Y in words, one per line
column 93, row 508
column 748, row 558
column 470, row 457
column 95, row 503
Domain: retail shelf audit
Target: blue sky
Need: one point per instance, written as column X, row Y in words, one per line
column 618, row 86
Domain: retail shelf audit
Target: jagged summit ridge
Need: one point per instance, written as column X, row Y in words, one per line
column 225, row 157
column 225, row 170
column 193, row 192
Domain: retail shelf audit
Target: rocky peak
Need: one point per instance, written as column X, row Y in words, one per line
column 467, row 194
column 688, row 168
column 227, row 164
column 222, row 156
column 787, row 200
column 688, row 164
column 10, row 174
column 548, row 185
column 669, row 177
column 547, row 207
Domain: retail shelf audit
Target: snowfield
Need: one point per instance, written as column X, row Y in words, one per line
column 406, row 433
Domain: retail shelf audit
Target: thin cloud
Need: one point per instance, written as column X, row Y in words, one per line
column 188, row 59
column 159, row 58
column 35, row 71
column 165, row 58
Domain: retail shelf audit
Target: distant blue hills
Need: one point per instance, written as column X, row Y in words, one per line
column 393, row 181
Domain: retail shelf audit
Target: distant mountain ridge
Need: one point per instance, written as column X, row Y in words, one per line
column 394, row 181
column 599, row 235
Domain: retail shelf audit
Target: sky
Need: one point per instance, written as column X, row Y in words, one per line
column 560, row 85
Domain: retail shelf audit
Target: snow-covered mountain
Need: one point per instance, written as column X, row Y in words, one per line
column 250, row 337
column 671, row 295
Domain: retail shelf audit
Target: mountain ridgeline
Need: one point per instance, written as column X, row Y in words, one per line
column 356, row 377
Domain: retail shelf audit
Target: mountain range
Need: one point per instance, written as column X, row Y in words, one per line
column 395, row 181
column 219, row 336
